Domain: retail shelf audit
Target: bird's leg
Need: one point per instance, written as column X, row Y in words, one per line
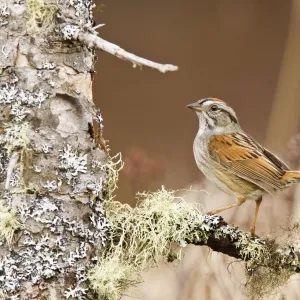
column 252, row 228
column 238, row 202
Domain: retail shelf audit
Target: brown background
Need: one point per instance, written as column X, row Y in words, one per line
column 227, row 49
column 243, row 51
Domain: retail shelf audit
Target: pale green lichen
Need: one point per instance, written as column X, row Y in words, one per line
column 283, row 250
column 112, row 276
column 9, row 222
column 252, row 251
column 141, row 238
column 38, row 13
column 263, row 282
column 111, row 168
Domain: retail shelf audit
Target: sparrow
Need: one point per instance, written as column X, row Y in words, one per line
column 233, row 160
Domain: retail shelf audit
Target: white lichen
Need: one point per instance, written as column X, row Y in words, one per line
column 51, row 185
column 49, row 65
column 19, row 112
column 100, row 119
column 70, row 32
column 96, row 187
column 4, row 11
column 83, row 8
column 10, row 93
column 72, row 162
column 16, row 178
column 46, row 148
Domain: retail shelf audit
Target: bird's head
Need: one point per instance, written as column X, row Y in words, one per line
column 215, row 114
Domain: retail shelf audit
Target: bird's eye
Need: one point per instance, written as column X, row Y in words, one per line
column 214, row 107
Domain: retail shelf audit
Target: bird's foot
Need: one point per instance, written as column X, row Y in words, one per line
column 211, row 213
column 252, row 232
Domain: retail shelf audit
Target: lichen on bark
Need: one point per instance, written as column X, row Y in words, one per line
column 52, row 171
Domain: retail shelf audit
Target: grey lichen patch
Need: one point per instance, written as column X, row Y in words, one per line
column 4, row 15
column 39, row 13
column 83, row 8
column 65, row 249
column 18, row 104
column 72, row 162
column 4, row 11
column 11, row 94
column 54, row 241
column 70, row 31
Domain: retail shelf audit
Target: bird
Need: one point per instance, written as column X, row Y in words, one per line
column 233, row 160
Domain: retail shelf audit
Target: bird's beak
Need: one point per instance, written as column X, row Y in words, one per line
column 195, row 106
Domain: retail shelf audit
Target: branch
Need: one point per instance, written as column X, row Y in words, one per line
column 143, row 236
column 96, row 42
column 72, row 32
column 231, row 241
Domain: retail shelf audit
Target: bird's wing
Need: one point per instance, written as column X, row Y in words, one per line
column 246, row 158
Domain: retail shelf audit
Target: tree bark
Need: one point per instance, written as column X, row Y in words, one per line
column 52, row 175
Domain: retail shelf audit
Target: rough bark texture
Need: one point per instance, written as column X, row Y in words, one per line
column 51, row 172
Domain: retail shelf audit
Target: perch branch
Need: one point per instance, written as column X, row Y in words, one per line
column 142, row 236
column 233, row 242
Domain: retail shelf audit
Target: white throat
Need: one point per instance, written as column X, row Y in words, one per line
column 207, row 128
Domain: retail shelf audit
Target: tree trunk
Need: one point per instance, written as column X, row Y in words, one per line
column 52, row 174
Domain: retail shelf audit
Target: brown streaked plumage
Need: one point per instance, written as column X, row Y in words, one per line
column 233, row 160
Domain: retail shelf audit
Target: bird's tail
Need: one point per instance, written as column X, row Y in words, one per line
column 291, row 177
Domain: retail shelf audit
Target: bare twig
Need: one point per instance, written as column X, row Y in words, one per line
column 96, row 42
column 11, row 165
column 98, row 26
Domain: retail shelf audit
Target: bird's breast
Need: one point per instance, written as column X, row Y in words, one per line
column 219, row 175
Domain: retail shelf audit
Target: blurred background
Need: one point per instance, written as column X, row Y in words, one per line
column 245, row 52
